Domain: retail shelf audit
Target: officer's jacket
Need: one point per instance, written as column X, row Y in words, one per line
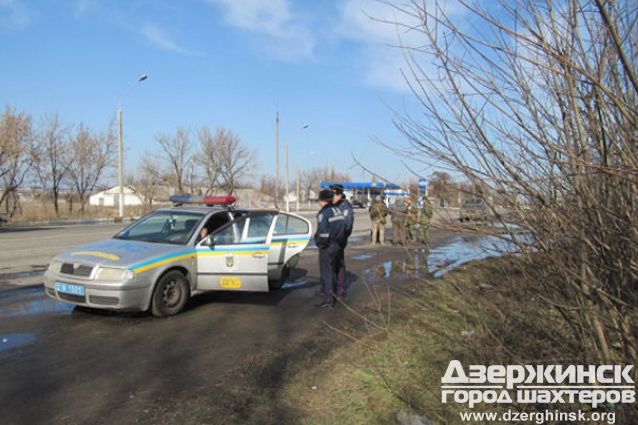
column 399, row 212
column 331, row 227
column 378, row 211
column 348, row 214
column 426, row 212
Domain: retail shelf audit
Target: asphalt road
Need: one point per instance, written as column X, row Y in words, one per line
column 24, row 249
column 25, row 252
column 223, row 360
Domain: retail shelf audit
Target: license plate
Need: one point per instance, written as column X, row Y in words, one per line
column 230, row 282
column 67, row 288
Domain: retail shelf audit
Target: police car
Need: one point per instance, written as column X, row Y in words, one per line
column 161, row 260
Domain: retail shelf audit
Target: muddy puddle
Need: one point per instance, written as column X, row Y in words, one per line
column 463, row 249
column 442, row 259
column 32, row 301
column 12, row 341
column 295, row 283
column 362, row 257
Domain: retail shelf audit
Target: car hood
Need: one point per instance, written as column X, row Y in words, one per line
column 118, row 252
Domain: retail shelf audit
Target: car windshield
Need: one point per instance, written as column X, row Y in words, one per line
column 173, row 227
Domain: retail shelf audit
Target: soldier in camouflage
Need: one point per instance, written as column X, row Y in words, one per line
column 411, row 231
column 425, row 217
column 378, row 214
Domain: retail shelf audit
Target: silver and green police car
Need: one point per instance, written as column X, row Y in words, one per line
column 161, row 260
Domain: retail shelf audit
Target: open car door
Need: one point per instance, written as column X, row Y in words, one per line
column 291, row 235
column 235, row 257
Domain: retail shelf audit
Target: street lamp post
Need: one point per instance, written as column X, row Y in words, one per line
column 305, row 126
column 120, row 147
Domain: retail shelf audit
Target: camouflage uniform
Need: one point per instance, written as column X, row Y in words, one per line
column 399, row 213
column 411, row 231
column 424, row 222
column 378, row 213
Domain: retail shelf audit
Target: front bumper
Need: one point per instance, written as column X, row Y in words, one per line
column 130, row 296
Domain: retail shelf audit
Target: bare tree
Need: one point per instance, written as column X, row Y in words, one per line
column 148, row 179
column 210, row 156
column 50, row 157
column 176, row 152
column 15, row 139
column 311, row 179
column 91, row 153
column 539, row 101
column 440, row 185
column 267, row 184
column 237, row 161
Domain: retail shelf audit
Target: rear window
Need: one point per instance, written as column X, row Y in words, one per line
column 289, row 225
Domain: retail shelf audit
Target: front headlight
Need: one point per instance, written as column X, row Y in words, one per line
column 55, row 266
column 108, row 273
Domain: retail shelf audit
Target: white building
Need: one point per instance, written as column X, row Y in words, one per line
column 111, row 197
column 292, row 196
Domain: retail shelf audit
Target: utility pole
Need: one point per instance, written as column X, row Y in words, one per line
column 277, row 160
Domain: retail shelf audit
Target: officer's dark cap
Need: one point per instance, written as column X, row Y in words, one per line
column 338, row 188
column 326, row 195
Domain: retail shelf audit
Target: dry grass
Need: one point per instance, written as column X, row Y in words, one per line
column 34, row 211
column 433, row 322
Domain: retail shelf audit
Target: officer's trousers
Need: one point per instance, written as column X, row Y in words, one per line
column 341, row 273
column 378, row 232
column 328, row 261
column 398, row 232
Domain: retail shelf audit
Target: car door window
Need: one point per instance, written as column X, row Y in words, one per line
column 297, row 226
column 282, row 225
column 258, row 228
column 251, row 229
column 231, row 234
column 289, row 225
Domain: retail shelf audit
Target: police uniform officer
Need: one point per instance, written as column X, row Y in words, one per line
column 329, row 238
column 345, row 206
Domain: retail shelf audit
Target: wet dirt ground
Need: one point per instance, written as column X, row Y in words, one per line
column 223, row 360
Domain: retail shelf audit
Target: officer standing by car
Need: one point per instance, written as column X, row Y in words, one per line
column 345, row 206
column 329, row 238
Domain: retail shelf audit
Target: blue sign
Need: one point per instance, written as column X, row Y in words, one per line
column 422, row 183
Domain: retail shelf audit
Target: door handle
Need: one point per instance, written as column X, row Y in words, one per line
column 259, row 255
column 292, row 245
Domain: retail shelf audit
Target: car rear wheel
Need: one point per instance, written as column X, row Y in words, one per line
column 170, row 295
column 278, row 283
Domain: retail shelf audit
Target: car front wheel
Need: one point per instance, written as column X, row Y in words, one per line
column 170, row 295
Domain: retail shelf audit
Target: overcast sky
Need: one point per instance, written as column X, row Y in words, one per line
column 217, row 63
